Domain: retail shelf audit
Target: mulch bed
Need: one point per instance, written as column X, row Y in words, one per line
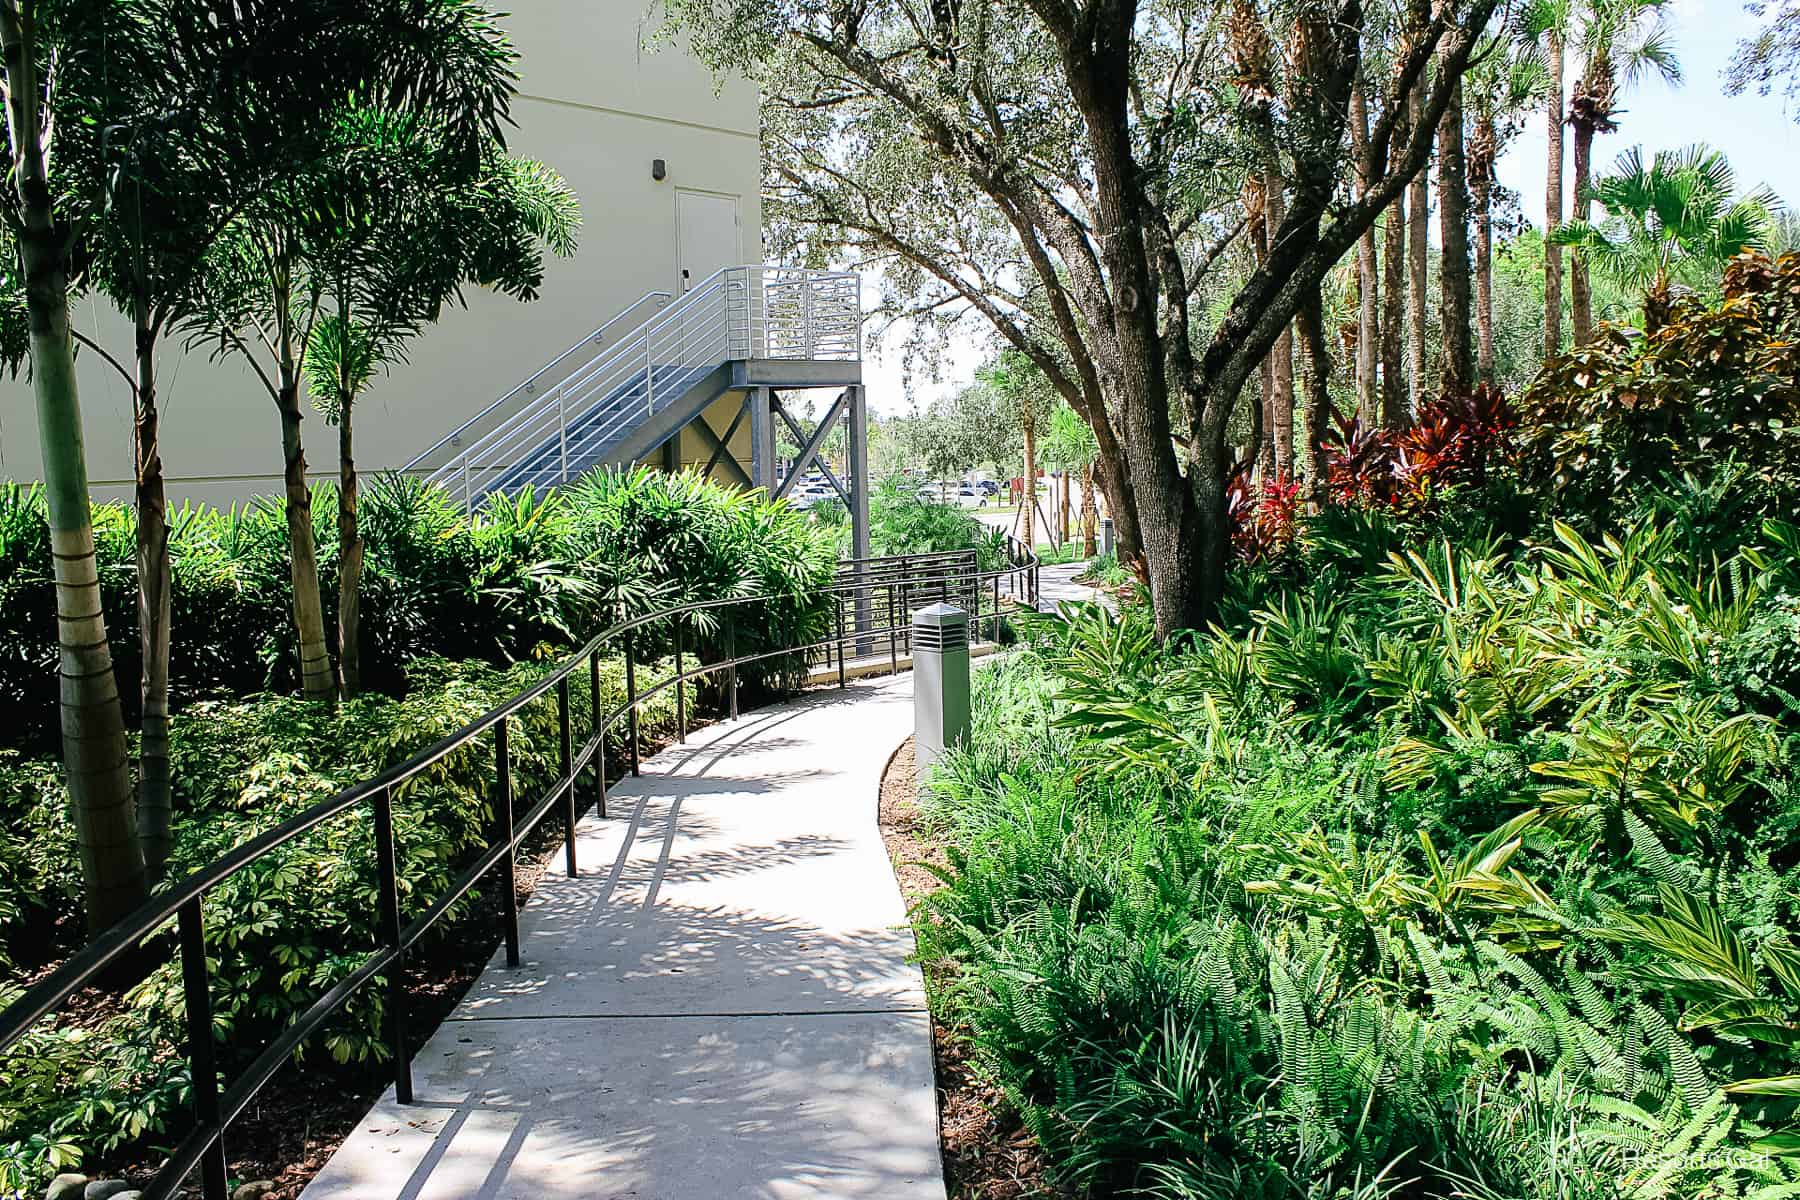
column 988, row 1154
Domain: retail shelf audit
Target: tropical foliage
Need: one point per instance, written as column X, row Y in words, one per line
column 522, row 578
column 1459, row 867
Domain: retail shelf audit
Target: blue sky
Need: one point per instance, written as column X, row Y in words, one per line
column 1757, row 133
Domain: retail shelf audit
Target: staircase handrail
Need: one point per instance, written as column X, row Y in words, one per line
column 727, row 316
column 663, row 297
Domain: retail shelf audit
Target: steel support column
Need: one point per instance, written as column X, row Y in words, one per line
column 857, row 470
column 762, row 438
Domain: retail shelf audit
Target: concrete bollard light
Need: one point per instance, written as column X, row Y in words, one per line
column 1107, row 544
column 940, row 681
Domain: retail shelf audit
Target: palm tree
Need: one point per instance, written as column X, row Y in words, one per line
column 1677, row 221
column 444, row 59
column 94, row 749
column 1624, row 40
column 1454, row 289
column 1550, row 24
column 1506, row 81
column 411, row 227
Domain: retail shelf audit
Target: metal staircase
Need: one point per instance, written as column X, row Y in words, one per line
column 740, row 328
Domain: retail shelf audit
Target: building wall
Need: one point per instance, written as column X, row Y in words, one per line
column 598, row 104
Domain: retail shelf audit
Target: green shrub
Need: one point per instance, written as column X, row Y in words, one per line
column 1714, row 385
column 525, row 577
column 1443, row 866
column 284, row 930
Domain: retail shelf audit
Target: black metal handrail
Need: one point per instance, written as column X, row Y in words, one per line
column 862, row 590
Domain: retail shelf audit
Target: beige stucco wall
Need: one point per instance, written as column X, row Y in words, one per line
column 596, row 103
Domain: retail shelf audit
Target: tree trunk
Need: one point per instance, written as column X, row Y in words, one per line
column 1261, row 451
column 1090, row 514
column 1311, row 325
column 1393, row 318
column 1368, row 315
column 1453, row 278
column 1067, row 484
column 93, row 727
column 1481, row 182
column 1553, row 203
column 1418, row 234
column 350, row 556
column 155, row 809
column 1028, row 502
column 1581, row 295
column 316, row 681
column 1281, row 414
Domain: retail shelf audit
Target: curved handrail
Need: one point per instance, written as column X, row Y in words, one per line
column 858, row 584
column 526, row 385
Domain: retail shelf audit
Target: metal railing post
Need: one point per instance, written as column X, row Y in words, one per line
column 731, row 673
column 680, row 689
column 649, row 380
column 838, row 607
column 996, row 610
column 387, row 868
column 631, row 712
column 893, row 635
column 598, row 731
column 203, row 1069
column 509, row 905
column 465, row 477
column 806, row 319
column 566, row 747
column 562, row 430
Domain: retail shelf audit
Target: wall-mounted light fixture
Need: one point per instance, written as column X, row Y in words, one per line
column 659, row 170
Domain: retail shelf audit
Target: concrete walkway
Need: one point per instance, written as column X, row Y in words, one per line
column 1057, row 586
column 720, row 1006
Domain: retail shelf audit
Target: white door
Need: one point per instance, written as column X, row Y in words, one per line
column 706, row 235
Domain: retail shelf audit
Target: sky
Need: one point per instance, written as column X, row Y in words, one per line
column 1757, row 133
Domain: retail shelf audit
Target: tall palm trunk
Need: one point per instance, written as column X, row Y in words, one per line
column 1028, row 505
column 1590, row 112
column 1310, row 323
column 1453, row 275
column 1553, row 201
column 155, row 814
column 1261, row 451
column 1368, row 314
column 1482, row 151
column 1090, row 514
column 350, row 555
column 316, row 680
column 1281, row 416
column 1393, row 318
column 1418, row 244
column 93, row 727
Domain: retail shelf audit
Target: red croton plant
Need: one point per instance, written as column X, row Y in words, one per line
column 1456, row 439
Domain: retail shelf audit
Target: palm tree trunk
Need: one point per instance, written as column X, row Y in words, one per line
column 1581, row 295
column 1368, row 316
column 1063, row 522
column 1311, row 326
column 1028, row 505
column 1482, row 152
column 350, row 555
column 1453, row 276
column 316, row 680
column 1090, row 514
column 1418, row 234
column 1261, row 451
column 93, row 727
column 1393, row 318
column 1281, row 417
column 155, row 810
column 1553, row 202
